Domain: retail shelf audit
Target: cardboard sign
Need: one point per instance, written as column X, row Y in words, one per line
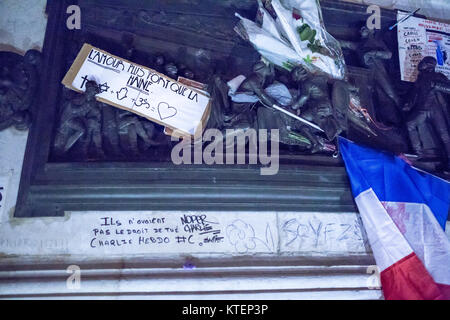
column 138, row 89
column 419, row 38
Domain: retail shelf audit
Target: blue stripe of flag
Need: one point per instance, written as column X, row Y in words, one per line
column 393, row 180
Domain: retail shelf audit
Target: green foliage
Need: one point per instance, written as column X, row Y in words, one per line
column 308, row 59
column 288, row 65
column 315, row 47
column 308, row 34
column 298, row 137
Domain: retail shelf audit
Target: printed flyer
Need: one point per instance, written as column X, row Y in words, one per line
column 419, row 38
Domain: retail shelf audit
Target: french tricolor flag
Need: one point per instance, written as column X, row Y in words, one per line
column 404, row 212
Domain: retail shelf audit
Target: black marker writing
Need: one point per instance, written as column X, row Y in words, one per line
column 105, row 59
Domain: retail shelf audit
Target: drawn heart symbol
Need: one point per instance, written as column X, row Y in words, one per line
column 165, row 111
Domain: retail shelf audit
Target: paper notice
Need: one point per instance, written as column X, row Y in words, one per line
column 140, row 90
column 419, row 38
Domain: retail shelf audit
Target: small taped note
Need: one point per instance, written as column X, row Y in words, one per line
column 141, row 90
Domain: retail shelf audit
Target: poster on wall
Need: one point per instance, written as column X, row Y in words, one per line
column 419, row 38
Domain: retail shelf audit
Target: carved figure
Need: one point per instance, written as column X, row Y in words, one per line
column 428, row 110
column 372, row 52
column 314, row 105
column 19, row 80
column 262, row 76
column 80, row 118
column 131, row 127
column 110, row 130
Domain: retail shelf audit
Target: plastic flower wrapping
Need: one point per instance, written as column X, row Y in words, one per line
column 289, row 33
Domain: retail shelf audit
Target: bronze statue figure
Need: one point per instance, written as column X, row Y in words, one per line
column 19, row 82
column 314, row 104
column 130, row 129
column 110, row 131
column 79, row 118
column 226, row 114
column 262, row 76
column 428, row 110
column 96, row 127
column 372, row 52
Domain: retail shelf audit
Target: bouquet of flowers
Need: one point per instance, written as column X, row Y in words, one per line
column 293, row 34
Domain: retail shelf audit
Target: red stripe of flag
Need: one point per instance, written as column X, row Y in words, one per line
column 407, row 279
